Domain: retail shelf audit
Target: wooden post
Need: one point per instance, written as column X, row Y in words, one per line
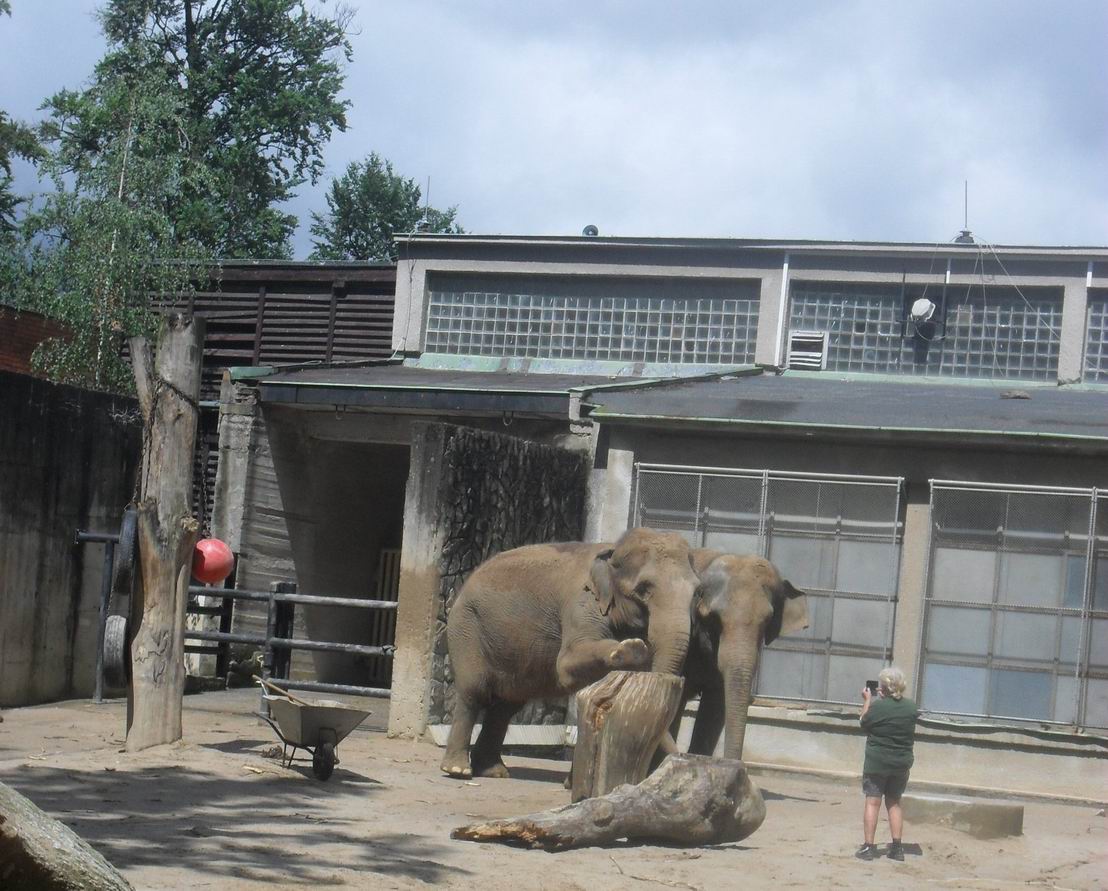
column 621, row 719
column 168, row 386
column 688, row 800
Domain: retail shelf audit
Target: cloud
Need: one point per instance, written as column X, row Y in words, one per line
column 850, row 120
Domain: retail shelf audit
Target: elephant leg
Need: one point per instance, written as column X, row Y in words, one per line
column 455, row 761
column 582, row 662
column 709, row 721
column 486, row 758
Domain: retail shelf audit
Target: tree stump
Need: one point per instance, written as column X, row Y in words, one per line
column 689, row 800
column 37, row 852
column 620, row 721
column 168, row 387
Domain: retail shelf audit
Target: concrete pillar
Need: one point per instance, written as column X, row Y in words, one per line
column 911, row 588
column 237, row 412
column 1071, row 354
column 420, row 585
column 616, row 506
column 411, row 298
column 771, row 348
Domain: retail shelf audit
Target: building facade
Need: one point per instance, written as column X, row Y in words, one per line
column 915, row 434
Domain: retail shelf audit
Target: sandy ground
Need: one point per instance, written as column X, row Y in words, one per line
column 217, row 810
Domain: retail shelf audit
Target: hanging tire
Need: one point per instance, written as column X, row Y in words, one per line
column 323, row 760
column 126, row 550
column 117, row 653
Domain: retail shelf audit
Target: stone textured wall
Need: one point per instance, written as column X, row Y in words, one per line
column 67, row 461
column 497, row 493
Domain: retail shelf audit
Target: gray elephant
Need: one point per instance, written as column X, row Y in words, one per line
column 742, row 604
column 546, row 620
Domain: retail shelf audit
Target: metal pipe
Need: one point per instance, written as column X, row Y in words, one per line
column 329, row 647
column 311, row 599
column 773, row 474
column 349, row 689
column 102, row 619
column 98, row 537
column 224, row 637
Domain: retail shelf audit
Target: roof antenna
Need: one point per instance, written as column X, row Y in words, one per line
column 424, row 224
column 965, row 236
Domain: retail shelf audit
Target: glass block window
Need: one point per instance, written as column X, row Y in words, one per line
column 1096, row 337
column 836, row 537
column 991, row 332
column 1016, row 614
column 704, row 322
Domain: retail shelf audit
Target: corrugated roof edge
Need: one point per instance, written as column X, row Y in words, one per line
column 255, row 372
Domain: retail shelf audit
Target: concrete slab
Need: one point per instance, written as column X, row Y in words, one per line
column 979, row 818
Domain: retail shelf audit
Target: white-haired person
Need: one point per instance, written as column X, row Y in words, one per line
column 889, row 720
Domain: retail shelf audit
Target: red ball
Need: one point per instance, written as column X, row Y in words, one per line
column 212, row 561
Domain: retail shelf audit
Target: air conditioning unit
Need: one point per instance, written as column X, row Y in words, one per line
column 808, row 350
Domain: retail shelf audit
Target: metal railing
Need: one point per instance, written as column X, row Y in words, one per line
column 278, row 641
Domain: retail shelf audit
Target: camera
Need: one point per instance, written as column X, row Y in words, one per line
column 872, row 687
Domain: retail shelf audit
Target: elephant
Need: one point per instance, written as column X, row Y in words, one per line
column 546, row 620
column 742, row 603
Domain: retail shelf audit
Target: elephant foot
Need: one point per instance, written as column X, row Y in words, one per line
column 495, row 771
column 458, row 767
column 630, row 655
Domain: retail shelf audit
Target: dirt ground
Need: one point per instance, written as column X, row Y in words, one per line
column 217, row 810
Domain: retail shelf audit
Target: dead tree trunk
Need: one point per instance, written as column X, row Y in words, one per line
column 689, row 800
column 620, row 721
column 36, row 851
column 168, row 389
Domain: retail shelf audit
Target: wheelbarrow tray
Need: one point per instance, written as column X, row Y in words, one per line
column 300, row 725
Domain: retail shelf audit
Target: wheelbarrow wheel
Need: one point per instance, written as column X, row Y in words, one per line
column 323, row 760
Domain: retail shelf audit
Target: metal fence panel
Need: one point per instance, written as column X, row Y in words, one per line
column 1012, row 625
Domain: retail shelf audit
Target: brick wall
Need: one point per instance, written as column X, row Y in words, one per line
column 20, row 333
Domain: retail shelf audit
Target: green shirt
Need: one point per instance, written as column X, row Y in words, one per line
column 890, row 726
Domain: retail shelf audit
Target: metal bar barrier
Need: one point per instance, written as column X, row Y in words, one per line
column 277, row 640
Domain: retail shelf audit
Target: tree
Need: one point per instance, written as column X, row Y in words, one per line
column 367, row 207
column 16, row 141
column 257, row 83
column 105, row 243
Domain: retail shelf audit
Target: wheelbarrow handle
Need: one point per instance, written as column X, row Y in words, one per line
column 284, row 693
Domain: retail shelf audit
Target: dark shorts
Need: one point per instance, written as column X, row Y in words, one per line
column 889, row 785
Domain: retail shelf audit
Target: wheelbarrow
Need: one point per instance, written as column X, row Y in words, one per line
column 317, row 727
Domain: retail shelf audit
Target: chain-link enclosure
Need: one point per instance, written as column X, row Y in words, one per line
column 1016, row 615
column 836, row 537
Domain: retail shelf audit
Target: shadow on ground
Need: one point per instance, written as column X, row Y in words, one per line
column 270, row 828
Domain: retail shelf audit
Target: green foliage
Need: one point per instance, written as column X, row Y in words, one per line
column 104, row 246
column 257, row 85
column 16, row 140
column 367, row 207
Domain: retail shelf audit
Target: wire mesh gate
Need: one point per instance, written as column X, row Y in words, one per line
column 1016, row 613
column 836, row 536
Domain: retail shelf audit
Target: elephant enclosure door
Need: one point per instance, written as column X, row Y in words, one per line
column 838, row 537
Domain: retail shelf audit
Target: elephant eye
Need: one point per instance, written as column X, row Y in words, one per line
column 642, row 589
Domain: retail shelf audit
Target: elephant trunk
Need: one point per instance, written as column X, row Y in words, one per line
column 738, row 683
column 669, row 638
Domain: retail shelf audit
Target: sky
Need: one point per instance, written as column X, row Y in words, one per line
column 827, row 120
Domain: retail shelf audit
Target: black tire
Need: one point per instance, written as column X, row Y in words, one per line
column 117, row 653
column 323, row 760
column 126, row 550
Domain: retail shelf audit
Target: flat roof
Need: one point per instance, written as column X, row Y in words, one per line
column 864, row 406
column 404, row 388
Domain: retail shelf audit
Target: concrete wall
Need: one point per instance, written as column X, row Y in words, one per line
column 471, row 494
column 67, row 460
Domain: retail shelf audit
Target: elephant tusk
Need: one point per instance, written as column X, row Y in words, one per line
column 667, row 745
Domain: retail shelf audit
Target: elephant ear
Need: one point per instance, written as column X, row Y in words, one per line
column 600, row 580
column 790, row 611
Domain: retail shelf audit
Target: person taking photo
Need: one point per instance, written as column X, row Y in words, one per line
column 889, row 720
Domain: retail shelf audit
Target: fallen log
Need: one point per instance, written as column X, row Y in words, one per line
column 621, row 720
column 689, row 800
column 39, row 853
